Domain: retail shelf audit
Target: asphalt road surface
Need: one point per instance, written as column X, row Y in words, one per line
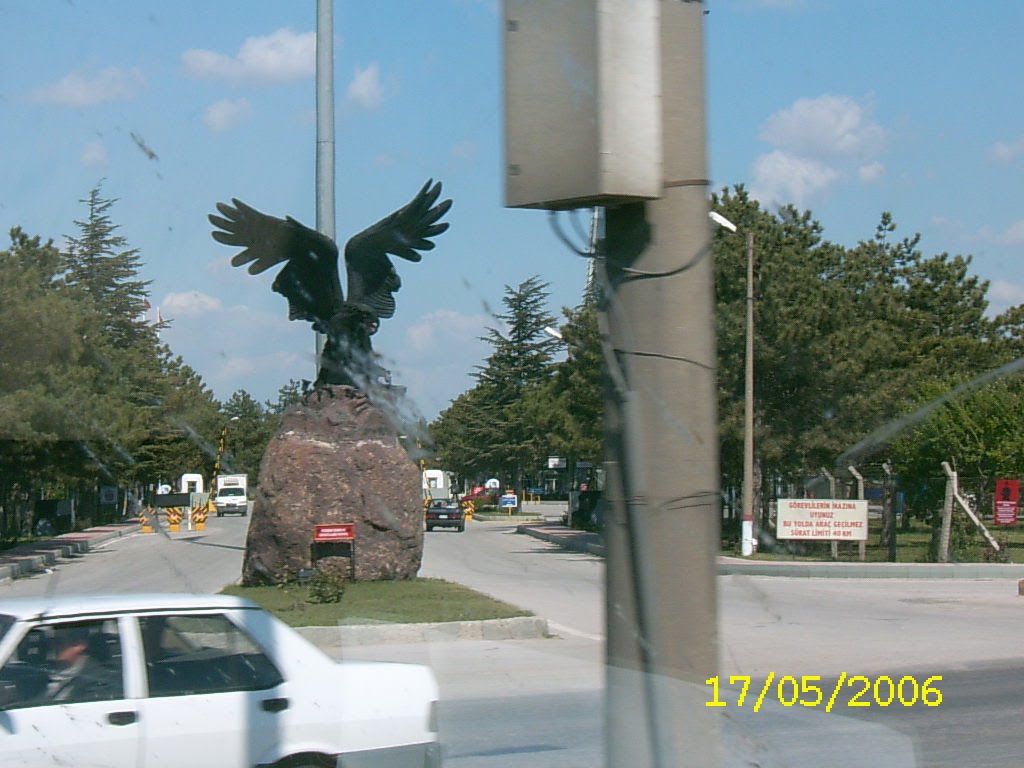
column 189, row 561
column 965, row 632
column 540, row 702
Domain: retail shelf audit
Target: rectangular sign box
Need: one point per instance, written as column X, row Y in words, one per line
column 164, row 500
column 334, row 532
column 822, row 519
column 582, row 102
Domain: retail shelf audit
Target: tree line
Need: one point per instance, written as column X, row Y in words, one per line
column 89, row 395
column 864, row 354
column 875, row 347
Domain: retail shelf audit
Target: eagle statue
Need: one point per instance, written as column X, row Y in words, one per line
column 311, row 282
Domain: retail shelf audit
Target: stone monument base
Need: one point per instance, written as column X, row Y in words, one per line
column 335, row 459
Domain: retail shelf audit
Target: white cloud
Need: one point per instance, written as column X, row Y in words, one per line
column 443, row 330
column 385, row 160
column 365, row 89
column 226, row 114
column 278, row 57
column 871, row 172
column 1007, row 151
column 236, row 346
column 781, row 178
column 828, row 126
column 80, row 89
column 1005, row 294
column 188, row 304
column 1013, row 235
column 436, row 357
column 95, row 154
column 464, row 150
column 816, row 143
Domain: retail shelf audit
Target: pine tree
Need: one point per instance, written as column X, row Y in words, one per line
column 101, row 265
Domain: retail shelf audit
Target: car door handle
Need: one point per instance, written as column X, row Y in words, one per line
column 122, row 718
column 274, row 705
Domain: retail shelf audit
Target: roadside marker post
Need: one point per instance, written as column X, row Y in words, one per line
column 146, row 518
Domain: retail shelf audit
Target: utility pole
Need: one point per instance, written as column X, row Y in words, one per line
column 324, row 132
column 747, row 530
column 662, row 537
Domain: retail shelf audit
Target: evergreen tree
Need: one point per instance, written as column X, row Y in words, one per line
column 250, row 428
column 102, row 265
column 491, row 430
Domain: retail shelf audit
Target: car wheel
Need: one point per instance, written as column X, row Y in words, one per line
column 430, row 528
column 462, row 527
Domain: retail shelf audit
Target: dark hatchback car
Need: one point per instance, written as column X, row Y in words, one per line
column 445, row 513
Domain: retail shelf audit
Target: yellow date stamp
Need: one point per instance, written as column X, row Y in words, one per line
column 812, row 691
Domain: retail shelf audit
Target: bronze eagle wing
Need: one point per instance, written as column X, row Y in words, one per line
column 309, row 280
column 371, row 277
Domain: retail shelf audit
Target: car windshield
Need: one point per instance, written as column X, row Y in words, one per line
column 663, row 359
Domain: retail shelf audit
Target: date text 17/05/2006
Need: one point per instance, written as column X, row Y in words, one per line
column 812, row 691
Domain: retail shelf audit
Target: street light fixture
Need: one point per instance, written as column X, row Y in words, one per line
column 747, row 540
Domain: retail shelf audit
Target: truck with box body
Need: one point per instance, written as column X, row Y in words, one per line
column 232, row 495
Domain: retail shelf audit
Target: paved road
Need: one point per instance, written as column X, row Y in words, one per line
column 965, row 631
column 567, row 588
column 155, row 562
column 540, row 702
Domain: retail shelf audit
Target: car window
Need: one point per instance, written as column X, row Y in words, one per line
column 190, row 654
column 66, row 663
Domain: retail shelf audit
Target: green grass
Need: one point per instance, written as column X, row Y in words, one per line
column 372, row 602
column 911, row 546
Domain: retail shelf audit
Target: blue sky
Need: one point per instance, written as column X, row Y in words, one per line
column 845, row 108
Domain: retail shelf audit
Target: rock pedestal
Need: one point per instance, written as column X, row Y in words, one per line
column 335, row 459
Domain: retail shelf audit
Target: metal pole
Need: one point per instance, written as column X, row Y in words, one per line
column 833, row 545
column 324, row 130
column 889, row 514
column 747, row 535
column 862, row 545
column 662, row 535
column 947, row 512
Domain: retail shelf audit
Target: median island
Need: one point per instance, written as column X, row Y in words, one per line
column 411, row 601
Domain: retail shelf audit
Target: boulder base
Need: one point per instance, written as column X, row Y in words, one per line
column 335, row 459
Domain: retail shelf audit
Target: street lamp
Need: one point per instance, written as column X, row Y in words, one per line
column 747, row 540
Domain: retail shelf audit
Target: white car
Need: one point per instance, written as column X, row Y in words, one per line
column 155, row 681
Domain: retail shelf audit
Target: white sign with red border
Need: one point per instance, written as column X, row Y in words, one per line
column 822, row 519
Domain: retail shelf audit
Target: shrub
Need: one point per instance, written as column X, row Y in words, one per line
column 327, row 584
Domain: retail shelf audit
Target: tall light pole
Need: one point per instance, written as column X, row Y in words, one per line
column 747, row 540
column 324, row 131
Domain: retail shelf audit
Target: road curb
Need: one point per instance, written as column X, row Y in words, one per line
column 518, row 628
column 26, row 559
column 873, row 570
column 582, row 541
column 570, row 538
